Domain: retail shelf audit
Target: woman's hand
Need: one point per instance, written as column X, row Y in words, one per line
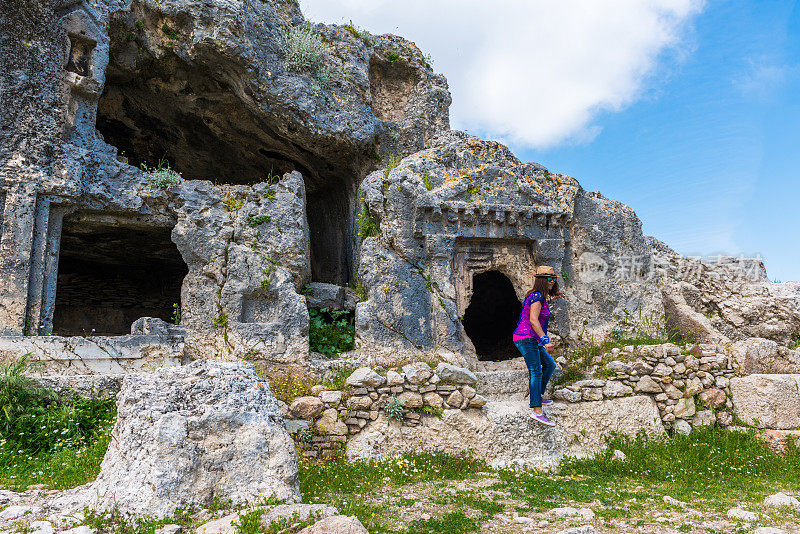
column 549, row 347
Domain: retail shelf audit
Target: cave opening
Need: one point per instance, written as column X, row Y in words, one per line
column 491, row 317
column 197, row 123
column 112, row 271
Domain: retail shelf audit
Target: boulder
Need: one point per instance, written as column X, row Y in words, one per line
column 614, row 389
column 321, row 295
column 297, row 511
column 781, row 499
column 338, row 524
column 187, row 434
column 713, row 398
column 451, row 374
column 417, row 372
column 768, row 401
column 410, row 399
column 365, row 377
column 742, row 515
column 329, row 423
column 330, row 396
column 648, row 385
column 306, row 407
column 685, row 408
column 393, row 378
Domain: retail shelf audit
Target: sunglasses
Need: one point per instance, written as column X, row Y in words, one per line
column 551, row 278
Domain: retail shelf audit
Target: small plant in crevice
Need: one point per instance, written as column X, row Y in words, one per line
column 304, row 435
column 161, row 176
column 176, row 313
column 258, row 220
column 391, row 164
column 426, row 179
column 367, row 226
column 359, row 33
column 392, row 56
column 394, row 408
column 331, row 331
column 432, row 411
column 358, row 288
column 471, row 192
column 795, row 343
column 233, row 203
column 272, row 177
column 221, row 319
column 304, row 51
column 169, row 32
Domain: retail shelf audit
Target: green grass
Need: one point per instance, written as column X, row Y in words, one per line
column 452, row 523
column 113, row 522
column 345, row 484
column 58, row 470
column 711, row 466
column 46, row 439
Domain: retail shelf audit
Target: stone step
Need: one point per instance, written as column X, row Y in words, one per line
column 504, row 434
column 512, row 384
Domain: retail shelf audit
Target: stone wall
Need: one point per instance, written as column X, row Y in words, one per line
column 691, row 385
column 322, row 423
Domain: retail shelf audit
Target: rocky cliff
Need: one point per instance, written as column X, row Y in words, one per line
column 200, row 162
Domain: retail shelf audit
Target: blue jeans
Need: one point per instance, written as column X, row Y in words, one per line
column 540, row 368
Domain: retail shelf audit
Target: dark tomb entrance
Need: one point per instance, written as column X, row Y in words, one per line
column 492, row 315
column 112, row 272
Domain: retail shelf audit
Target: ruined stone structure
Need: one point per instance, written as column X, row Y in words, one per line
column 341, row 170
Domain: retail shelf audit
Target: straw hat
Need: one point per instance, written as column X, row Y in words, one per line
column 545, row 270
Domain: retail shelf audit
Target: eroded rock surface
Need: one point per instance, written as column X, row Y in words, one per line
column 189, row 434
column 768, row 401
column 503, row 433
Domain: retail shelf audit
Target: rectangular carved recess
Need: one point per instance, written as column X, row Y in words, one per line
column 513, row 257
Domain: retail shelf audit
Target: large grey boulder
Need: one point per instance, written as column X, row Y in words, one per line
column 768, row 401
column 504, row 434
column 187, row 435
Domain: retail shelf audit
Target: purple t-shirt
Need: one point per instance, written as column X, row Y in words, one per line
column 524, row 328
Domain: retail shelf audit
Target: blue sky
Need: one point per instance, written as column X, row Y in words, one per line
column 687, row 110
column 709, row 156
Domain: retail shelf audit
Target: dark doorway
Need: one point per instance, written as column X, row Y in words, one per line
column 109, row 275
column 492, row 315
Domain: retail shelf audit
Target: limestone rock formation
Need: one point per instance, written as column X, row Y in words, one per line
column 447, row 214
column 270, row 150
column 731, row 299
column 611, row 279
column 187, row 435
column 309, row 154
column 759, row 355
column 503, row 433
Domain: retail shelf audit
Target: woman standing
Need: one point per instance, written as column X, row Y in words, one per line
column 531, row 339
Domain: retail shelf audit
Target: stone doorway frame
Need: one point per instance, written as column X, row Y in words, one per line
column 512, row 257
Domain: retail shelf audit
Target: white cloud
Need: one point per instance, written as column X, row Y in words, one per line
column 532, row 72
